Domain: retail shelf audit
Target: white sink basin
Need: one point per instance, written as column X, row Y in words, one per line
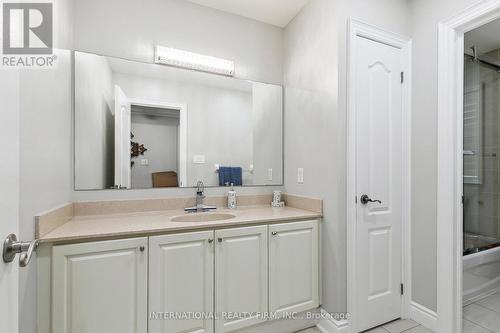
column 202, row 217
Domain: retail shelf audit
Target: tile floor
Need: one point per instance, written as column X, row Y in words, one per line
column 482, row 316
column 398, row 326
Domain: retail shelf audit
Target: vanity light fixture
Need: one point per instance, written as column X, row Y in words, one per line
column 185, row 59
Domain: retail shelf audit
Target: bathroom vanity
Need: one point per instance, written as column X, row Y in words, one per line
column 144, row 272
column 137, row 266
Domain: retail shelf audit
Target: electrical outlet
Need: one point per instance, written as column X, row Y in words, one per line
column 269, row 174
column 300, row 175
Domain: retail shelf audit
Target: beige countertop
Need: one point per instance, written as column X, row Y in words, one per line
column 94, row 227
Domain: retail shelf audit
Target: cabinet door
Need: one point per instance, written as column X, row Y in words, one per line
column 100, row 287
column 181, row 283
column 241, row 277
column 294, row 267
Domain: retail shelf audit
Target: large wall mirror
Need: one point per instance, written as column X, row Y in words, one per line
column 141, row 125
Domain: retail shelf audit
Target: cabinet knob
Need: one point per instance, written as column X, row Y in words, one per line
column 210, row 240
column 141, row 248
column 274, row 233
column 219, row 239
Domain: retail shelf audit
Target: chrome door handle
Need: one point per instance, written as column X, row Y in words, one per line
column 11, row 247
column 366, row 199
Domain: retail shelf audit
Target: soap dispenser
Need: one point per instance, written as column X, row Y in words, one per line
column 231, row 198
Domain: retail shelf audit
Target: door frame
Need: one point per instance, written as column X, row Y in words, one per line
column 361, row 29
column 183, row 129
column 450, row 159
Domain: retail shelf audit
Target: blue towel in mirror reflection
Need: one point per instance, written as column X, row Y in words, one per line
column 228, row 175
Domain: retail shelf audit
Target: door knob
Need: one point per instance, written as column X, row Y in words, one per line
column 366, row 199
column 11, row 247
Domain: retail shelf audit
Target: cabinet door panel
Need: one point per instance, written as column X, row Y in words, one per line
column 182, row 282
column 294, row 267
column 100, row 287
column 241, row 277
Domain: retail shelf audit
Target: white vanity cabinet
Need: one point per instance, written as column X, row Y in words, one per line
column 293, row 267
column 100, row 287
column 241, row 271
column 181, row 282
column 212, row 281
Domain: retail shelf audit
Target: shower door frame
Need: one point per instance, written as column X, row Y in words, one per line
column 450, row 159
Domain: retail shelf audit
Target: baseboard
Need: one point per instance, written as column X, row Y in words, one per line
column 481, row 296
column 423, row 316
column 303, row 321
column 327, row 324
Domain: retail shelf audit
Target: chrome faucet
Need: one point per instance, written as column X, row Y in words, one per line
column 200, row 207
column 200, row 196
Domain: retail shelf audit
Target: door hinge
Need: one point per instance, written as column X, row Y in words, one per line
column 402, row 289
column 356, row 199
column 402, row 77
column 463, row 199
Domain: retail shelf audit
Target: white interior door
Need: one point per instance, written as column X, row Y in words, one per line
column 378, row 102
column 122, row 139
column 9, row 196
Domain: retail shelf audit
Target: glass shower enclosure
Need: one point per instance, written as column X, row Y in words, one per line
column 481, row 143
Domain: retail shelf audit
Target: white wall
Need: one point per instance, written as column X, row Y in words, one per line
column 159, row 135
column 132, row 32
column 315, row 116
column 426, row 14
column 94, row 122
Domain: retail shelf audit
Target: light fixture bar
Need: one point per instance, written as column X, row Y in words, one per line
column 185, row 59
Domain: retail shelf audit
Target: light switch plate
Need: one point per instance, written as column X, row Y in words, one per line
column 199, row 159
column 300, row 175
column 270, row 174
column 144, row 161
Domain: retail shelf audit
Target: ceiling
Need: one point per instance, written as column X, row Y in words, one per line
column 275, row 12
column 486, row 38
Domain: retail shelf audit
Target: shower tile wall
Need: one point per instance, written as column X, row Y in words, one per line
column 482, row 194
